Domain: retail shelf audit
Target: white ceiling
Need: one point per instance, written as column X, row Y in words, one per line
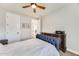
column 17, row 7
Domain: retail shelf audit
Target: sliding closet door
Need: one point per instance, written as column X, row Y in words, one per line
column 12, row 27
column 25, row 27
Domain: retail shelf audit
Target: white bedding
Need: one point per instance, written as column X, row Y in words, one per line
column 31, row 47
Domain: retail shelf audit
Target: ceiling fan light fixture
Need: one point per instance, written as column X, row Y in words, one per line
column 33, row 6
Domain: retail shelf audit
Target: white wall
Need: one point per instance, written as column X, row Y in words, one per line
column 66, row 19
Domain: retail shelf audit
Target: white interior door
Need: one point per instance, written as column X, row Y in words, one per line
column 35, row 27
column 12, row 27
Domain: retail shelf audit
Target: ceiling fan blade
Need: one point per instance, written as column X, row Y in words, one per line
column 26, row 6
column 34, row 10
column 42, row 7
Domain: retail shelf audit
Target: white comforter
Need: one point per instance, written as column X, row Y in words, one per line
column 31, row 47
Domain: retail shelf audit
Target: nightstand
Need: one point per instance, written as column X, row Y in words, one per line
column 4, row 42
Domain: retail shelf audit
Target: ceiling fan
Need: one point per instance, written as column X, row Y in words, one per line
column 34, row 5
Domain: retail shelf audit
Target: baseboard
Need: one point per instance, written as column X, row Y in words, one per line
column 75, row 52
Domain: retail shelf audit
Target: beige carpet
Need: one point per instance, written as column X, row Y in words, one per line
column 68, row 53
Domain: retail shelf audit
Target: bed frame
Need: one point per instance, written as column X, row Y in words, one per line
column 62, row 36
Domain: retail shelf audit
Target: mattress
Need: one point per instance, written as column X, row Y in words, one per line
column 31, row 47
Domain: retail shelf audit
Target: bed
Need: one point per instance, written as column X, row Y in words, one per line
column 31, row 47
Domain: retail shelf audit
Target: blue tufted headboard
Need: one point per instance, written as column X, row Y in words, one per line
column 52, row 40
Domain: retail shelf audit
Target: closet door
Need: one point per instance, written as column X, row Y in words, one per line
column 2, row 24
column 25, row 27
column 12, row 27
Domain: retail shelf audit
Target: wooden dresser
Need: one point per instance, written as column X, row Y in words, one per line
column 62, row 36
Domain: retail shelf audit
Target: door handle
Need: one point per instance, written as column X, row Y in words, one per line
column 7, row 32
column 17, row 32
